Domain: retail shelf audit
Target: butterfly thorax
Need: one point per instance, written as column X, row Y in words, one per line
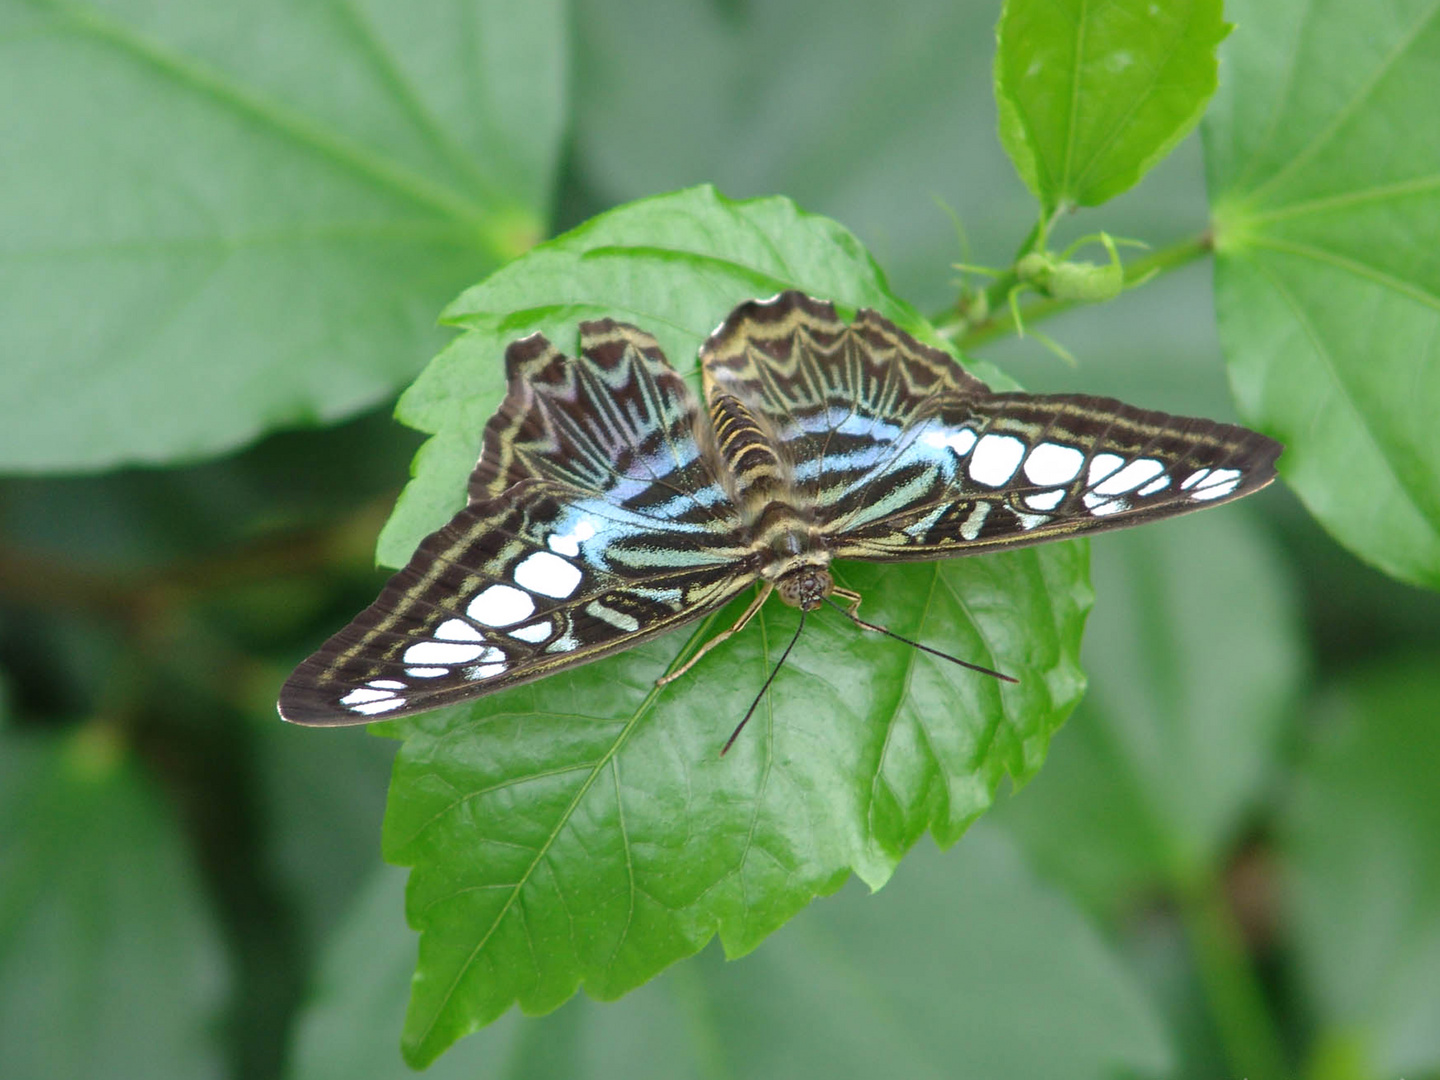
column 781, row 526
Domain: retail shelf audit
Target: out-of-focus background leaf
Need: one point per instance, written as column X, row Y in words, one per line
column 1322, row 165
column 170, row 602
column 972, row 948
column 1361, row 830
column 110, row 962
column 229, row 218
column 1167, row 760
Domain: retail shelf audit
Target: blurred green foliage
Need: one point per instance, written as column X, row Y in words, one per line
column 219, row 222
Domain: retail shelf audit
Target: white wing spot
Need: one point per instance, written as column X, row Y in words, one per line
column 1101, row 506
column 569, row 543
column 1051, row 463
column 568, row 643
column 501, row 605
column 1131, row 476
column 1220, row 482
column 484, row 671
column 360, row 696
column 961, row 441
column 1029, row 521
column 618, row 619
column 457, row 630
column 972, row 525
column 1154, row 486
column 426, row 672
column 1193, row 479
column 548, row 575
column 441, row 652
column 1045, row 500
column 371, row 708
column 386, row 684
column 995, row 459
column 1101, row 466
column 534, row 633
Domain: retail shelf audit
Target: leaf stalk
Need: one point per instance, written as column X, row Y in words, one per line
column 1000, row 318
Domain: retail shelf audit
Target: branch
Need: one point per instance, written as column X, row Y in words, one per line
column 999, row 321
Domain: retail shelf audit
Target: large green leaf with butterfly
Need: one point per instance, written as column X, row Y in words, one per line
column 583, row 828
column 575, row 829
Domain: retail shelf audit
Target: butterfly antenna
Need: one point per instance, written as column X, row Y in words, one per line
column 915, row 644
column 756, row 703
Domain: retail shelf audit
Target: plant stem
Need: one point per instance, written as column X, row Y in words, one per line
column 1237, row 1002
column 1000, row 322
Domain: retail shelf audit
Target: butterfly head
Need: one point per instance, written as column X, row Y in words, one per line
column 805, row 587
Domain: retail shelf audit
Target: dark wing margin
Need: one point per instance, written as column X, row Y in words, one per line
column 596, row 521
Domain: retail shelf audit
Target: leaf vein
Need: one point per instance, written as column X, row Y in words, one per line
column 1324, row 136
column 1337, row 380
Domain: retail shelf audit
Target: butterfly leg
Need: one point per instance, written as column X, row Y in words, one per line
column 740, row 624
column 852, row 612
column 852, row 609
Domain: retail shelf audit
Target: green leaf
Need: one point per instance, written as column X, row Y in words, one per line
column 1091, row 95
column 1362, row 839
column 1323, row 151
column 1194, row 655
column 221, row 219
column 942, row 975
column 109, row 962
column 587, row 831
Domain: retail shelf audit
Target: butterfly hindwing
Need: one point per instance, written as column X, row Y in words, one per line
column 838, row 396
column 609, row 528
column 617, row 417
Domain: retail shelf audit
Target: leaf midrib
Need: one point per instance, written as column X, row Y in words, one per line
column 561, row 822
column 1317, row 344
column 1076, row 61
column 291, row 124
column 1122, row 122
column 1343, row 115
column 405, row 94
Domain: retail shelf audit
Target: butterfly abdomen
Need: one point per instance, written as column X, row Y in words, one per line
column 746, row 448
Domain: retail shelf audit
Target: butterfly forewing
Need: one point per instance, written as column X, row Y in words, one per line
column 609, row 527
column 1007, row 470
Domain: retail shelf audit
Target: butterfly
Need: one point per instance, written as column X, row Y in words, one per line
column 608, row 507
